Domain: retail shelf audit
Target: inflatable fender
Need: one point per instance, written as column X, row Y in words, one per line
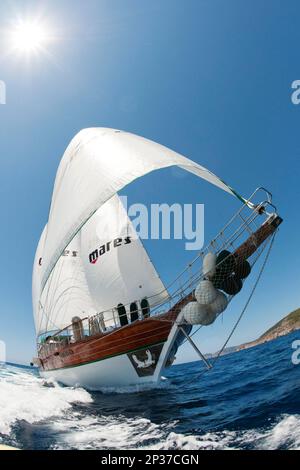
column 210, row 317
column 205, row 292
column 209, row 265
column 195, row 313
column 232, row 285
column 242, row 269
column 226, row 265
column 220, row 304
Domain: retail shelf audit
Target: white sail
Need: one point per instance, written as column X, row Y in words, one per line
column 36, row 279
column 66, row 294
column 117, row 267
column 96, row 165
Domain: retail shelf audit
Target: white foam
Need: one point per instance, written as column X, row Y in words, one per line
column 82, row 432
column 209, row 441
column 121, row 433
column 285, row 434
column 23, row 397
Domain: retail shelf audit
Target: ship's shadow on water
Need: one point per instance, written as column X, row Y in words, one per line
column 159, row 405
column 249, row 400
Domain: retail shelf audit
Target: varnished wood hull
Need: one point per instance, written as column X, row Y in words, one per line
column 138, row 335
column 135, row 354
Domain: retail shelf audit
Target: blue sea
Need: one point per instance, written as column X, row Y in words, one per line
column 250, row 400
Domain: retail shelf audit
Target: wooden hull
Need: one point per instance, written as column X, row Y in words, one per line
column 135, row 354
column 138, row 335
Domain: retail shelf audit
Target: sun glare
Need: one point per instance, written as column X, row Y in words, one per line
column 29, row 37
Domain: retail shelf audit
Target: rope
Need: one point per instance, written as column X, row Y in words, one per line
column 215, row 359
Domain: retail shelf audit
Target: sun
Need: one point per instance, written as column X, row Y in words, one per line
column 29, row 36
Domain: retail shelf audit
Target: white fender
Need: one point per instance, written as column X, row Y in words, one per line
column 196, row 314
column 205, row 292
column 219, row 304
column 210, row 317
column 209, row 265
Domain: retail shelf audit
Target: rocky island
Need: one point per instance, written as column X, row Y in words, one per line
column 289, row 323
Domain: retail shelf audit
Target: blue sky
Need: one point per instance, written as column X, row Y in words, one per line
column 210, row 79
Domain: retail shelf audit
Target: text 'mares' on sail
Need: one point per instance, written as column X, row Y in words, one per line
column 109, row 320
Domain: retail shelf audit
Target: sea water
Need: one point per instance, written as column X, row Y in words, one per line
column 250, row 400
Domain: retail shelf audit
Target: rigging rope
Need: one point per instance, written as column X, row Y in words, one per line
column 217, row 357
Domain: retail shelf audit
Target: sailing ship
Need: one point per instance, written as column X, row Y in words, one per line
column 102, row 314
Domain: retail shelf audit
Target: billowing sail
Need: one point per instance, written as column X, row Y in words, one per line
column 36, row 279
column 96, row 165
column 66, row 294
column 117, row 267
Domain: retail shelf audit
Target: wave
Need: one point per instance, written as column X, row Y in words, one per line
column 260, row 414
column 23, row 396
column 83, row 433
column 285, row 434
